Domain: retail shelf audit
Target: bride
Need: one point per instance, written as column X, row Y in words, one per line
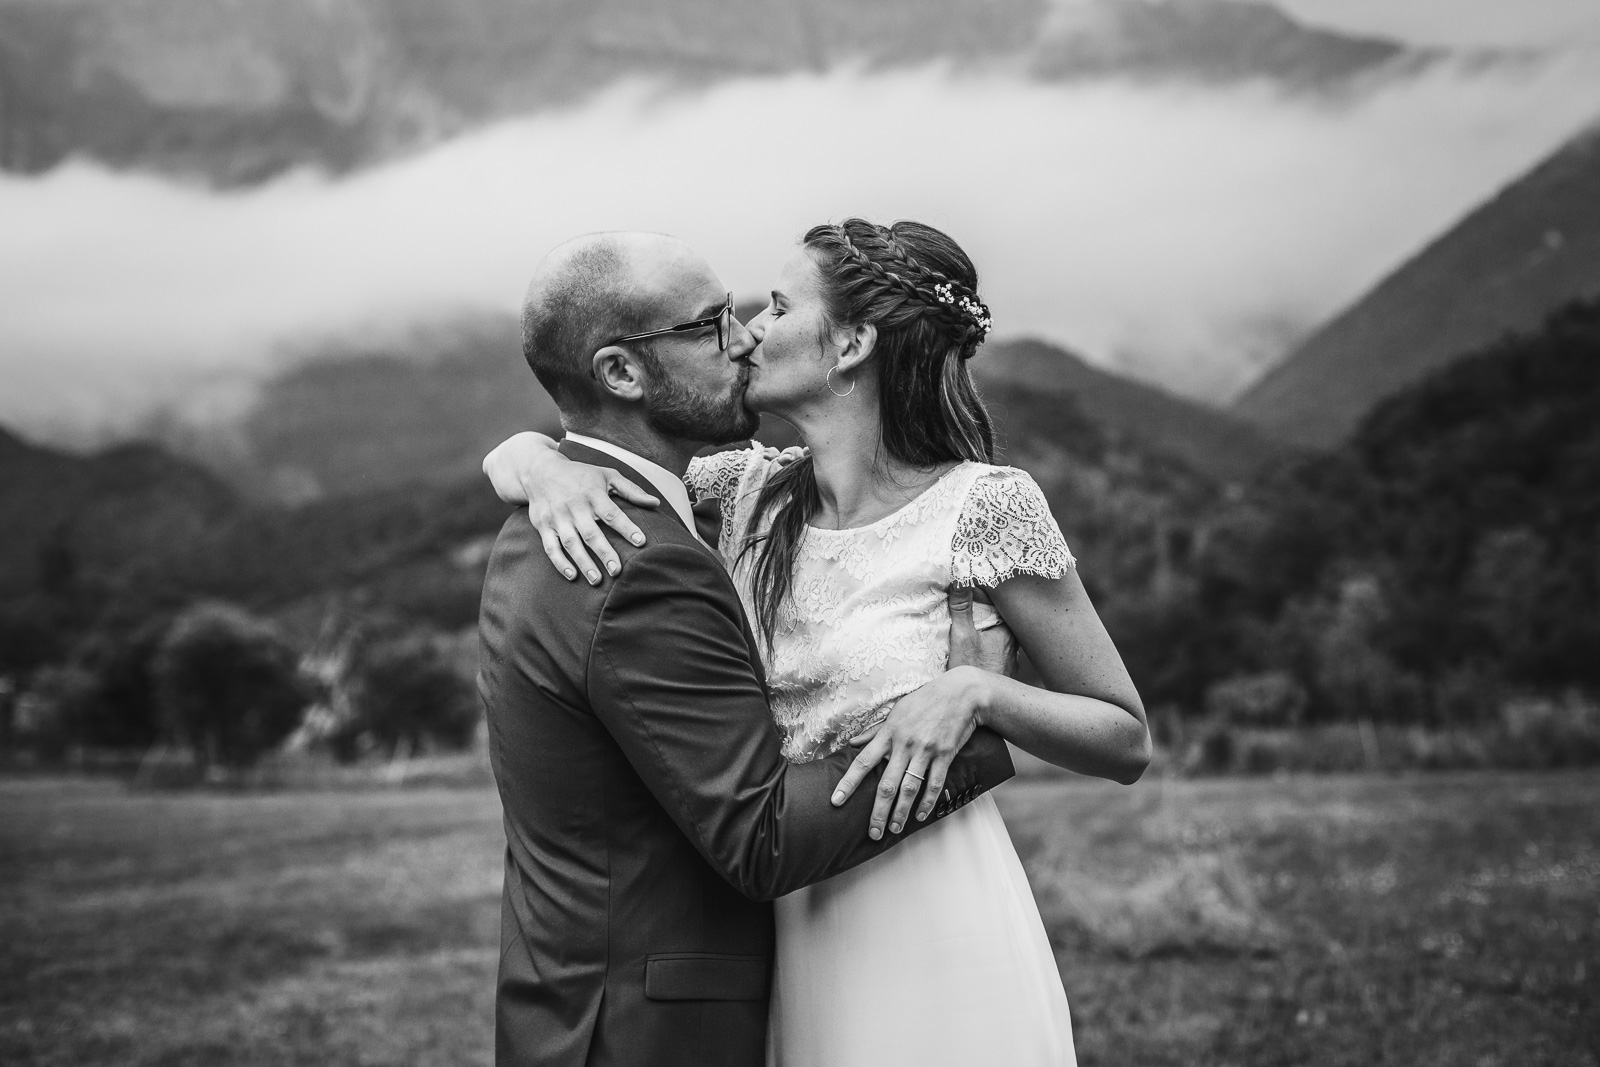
column 935, row 952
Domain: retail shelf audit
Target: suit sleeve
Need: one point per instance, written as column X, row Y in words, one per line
column 671, row 678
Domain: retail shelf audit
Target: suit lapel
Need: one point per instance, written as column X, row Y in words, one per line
column 584, row 454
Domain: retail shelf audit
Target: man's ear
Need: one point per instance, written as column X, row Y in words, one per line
column 859, row 343
column 618, row 373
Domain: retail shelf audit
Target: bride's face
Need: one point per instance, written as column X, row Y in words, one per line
column 790, row 365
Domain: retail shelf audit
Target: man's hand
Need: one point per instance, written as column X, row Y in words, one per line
column 787, row 456
column 993, row 650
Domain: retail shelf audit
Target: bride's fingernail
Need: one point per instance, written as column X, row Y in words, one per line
column 922, row 816
column 894, row 828
column 612, row 567
column 874, row 833
column 838, row 798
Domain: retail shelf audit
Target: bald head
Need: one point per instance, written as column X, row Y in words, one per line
column 591, row 290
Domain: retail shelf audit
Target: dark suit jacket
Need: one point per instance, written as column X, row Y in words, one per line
column 649, row 814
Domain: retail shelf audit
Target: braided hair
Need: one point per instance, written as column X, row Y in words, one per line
column 919, row 289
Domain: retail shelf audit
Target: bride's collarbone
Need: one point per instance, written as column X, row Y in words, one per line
column 887, row 492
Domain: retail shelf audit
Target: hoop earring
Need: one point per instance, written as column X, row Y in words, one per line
column 831, row 389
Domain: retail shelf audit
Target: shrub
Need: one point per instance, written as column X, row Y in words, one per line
column 1212, row 751
column 48, row 714
column 226, row 685
column 1547, row 732
column 1272, row 698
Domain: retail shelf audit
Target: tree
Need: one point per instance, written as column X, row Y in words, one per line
column 408, row 689
column 226, row 685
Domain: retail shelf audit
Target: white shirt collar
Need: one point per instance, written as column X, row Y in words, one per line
column 669, row 486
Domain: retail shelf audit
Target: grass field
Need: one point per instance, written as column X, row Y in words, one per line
column 1449, row 919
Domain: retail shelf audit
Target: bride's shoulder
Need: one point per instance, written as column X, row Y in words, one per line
column 1006, row 528
column 720, row 473
column 994, row 470
column 992, row 488
column 992, row 481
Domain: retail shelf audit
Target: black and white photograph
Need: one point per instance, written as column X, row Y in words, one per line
column 843, row 533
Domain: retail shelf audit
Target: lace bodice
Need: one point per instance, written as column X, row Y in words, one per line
column 866, row 621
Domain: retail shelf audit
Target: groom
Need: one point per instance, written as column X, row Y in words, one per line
column 649, row 815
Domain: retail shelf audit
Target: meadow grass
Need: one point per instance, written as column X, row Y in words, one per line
column 1444, row 919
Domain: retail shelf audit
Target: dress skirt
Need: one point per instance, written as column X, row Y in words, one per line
column 932, row 954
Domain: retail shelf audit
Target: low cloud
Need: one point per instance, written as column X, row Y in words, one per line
column 1186, row 234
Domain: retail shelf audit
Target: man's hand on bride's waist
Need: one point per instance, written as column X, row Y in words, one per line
column 993, row 649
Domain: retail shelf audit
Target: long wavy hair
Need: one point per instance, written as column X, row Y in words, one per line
column 929, row 411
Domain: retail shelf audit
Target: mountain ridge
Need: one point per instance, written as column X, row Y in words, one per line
column 1208, row 440
column 240, row 94
column 1530, row 248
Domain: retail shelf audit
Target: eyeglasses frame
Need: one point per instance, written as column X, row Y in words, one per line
column 724, row 333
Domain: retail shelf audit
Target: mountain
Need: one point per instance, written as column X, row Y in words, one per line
column 239, row 92
column 357, row 469
column 135, row 529
column 1207, row 40
column 1210, row 441
column 90, row 520
column 357, row 418
column 1508, row 264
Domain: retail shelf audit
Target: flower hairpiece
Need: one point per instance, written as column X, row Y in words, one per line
column 978, row 312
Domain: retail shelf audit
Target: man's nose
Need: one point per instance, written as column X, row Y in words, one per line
column 744, row 339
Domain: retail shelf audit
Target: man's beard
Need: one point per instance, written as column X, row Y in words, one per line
column 678, row 413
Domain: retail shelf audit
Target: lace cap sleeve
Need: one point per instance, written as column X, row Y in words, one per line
column 716, row 477
column 1006, row 529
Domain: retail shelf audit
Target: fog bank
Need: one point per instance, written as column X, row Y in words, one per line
column 1189, row 235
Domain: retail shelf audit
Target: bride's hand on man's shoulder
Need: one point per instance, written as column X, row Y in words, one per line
column 567, row 502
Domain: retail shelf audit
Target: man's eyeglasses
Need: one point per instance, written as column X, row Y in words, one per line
column 722, row 320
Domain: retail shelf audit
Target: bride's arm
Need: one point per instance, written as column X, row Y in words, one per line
column 567, row 501
column 1088, row 717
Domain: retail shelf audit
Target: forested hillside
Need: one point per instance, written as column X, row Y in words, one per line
column 1441, row 559
column 1440, row 563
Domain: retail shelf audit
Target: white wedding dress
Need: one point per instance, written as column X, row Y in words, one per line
column 934, row 953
